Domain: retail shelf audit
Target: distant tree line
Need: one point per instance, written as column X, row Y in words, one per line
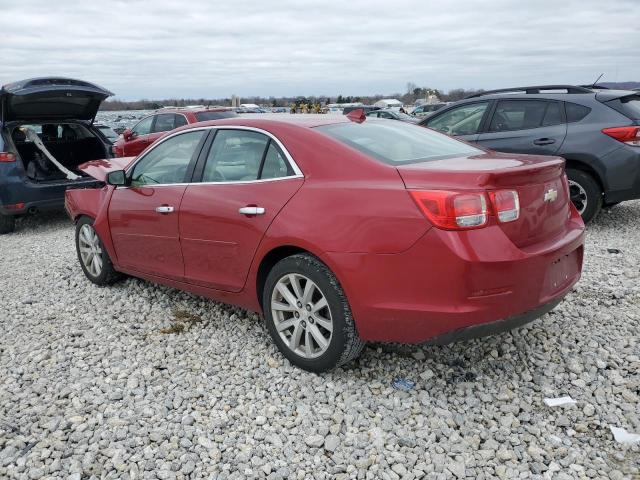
column 412, row 94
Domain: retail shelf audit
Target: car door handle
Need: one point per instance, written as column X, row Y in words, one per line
column 164, row 209
column 544, row 141
column 251, row 210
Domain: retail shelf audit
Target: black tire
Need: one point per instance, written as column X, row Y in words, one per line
column 586, row 194
column 7, row 224
column 107, row 274
column 344, row 344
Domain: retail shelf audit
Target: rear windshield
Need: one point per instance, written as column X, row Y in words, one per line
column 397, row 143
column 629, row 106
column 205, row 116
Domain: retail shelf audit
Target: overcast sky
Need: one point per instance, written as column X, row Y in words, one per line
column 202, row 48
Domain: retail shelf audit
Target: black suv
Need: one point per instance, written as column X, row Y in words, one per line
column 595, row 129
column 56, row 113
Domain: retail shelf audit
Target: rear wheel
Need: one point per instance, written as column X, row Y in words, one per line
column 308, row 315
column 585, row 194
column 94, row 259
column 7, row 224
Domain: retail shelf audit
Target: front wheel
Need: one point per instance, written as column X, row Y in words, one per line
column 94, row 259
column 308, row 315
column 585, row 194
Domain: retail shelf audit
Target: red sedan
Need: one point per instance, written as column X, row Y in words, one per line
column 339, row 230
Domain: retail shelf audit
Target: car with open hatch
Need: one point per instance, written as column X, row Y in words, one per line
column 46, row 131
column 340, row 230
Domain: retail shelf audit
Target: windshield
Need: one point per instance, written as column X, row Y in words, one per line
column 205, row 116
column 398, row 143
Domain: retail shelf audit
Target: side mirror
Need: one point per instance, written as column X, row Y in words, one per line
column 127, row 134
column 117, row 178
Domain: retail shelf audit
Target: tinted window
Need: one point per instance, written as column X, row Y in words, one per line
column 397, row 142
column 205, row 116
column 235, row 155
column 143, row 127
column 629, row 106
column 463, row 120
column 179, row 121
column 524, row 114
column 575, row 112
column 164, row 122
column 167, row 162
column 275, row 164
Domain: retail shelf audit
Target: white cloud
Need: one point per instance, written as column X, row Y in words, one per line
column 199, row 48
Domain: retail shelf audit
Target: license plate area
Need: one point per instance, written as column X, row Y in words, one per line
column 561, row 273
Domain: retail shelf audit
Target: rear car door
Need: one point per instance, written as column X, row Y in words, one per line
column 139, row 139
column 143, row 216
column 463, row 121
column 246, row 178
column 525, row 126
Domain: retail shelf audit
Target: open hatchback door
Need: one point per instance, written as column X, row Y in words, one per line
column 51, row 98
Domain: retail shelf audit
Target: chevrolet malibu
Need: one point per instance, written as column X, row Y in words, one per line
column 339, row 230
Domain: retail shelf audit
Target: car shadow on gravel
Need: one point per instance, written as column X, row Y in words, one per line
column 42, row 221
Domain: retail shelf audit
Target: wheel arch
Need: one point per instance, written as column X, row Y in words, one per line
column 585, row 167
column 268, row 261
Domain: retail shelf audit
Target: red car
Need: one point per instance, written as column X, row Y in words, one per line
column 133, row 141
column 339, row 230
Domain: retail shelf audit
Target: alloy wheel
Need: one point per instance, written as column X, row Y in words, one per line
column 301, row 315
column 90, row 250
column 578, row 196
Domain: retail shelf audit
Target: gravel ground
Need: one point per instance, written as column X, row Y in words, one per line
column 142, row 381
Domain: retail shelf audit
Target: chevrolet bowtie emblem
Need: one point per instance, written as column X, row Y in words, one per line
column 550, row 195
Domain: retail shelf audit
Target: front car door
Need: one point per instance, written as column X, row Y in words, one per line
column 525, row 126
column 139, row 139
column 463, row 121
column 247, row 177
column 143, row 216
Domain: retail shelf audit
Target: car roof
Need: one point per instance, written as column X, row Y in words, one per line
column 191, row 109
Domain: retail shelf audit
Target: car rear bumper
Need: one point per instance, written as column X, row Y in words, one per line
column 451, row 281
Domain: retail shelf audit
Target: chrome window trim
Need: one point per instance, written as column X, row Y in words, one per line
column 297, row 173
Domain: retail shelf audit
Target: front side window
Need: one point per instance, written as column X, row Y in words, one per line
column 244, row 156
column 143, row 127
column 397, row 143
column 167, row 163
column 524, row 114
column 463, row 120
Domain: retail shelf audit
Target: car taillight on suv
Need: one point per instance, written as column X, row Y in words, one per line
column 628, row 135
column 6, row 157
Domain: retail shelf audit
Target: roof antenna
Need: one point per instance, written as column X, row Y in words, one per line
column 597, row 80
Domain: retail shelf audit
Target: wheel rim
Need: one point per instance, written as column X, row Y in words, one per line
column 301, row 315
column 90, row 250
column 578, row 196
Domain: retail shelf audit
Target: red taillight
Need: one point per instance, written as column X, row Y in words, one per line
column 15, row 206
column 628, row 135
column 460, row 211
column 506, row 204
column 452, row 210
column 7, row 157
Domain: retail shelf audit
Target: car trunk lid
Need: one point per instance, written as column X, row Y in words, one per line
column 540, row 182
column 51, row 99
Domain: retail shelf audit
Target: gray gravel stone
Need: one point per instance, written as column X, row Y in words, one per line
column 91, row 387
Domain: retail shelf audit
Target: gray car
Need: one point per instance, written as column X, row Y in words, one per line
column 596, row 130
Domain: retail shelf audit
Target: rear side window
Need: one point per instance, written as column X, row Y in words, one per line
column 524, row 114
column 397, row 143
column 164, row 123
column 205, row 116
column 576, row 112
column 179, row 121
column 235, row 155
column 463, row 120
column 628, row 106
